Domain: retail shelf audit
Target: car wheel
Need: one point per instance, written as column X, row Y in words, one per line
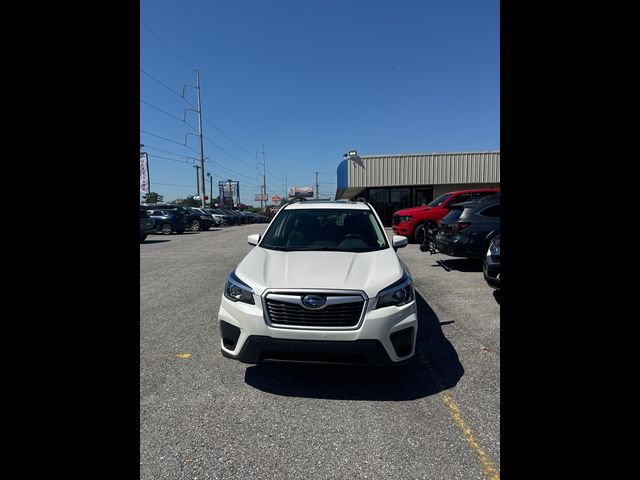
column 166, row 229
column 195, row 225
column 421, row 231
column 419, row 234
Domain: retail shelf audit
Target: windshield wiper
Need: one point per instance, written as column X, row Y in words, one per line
column 315, row 248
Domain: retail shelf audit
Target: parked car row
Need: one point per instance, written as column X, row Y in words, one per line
column 166, row 219
column 414, row 222
column 236, row 217
column 463, row 223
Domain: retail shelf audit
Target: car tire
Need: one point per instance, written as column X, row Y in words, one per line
column 195, row 225
column 166, row 229
column 419, row 234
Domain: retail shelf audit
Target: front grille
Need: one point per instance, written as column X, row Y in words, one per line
column 332, row 316
column 395, row 220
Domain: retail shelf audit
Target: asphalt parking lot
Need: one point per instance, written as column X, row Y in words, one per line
column 203, row 416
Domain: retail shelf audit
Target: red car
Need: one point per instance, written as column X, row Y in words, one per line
column 411, row 222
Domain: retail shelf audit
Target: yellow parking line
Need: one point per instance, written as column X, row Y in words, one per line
column 490, row 472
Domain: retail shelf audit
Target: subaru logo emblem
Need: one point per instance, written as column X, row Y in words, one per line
column 313, row 301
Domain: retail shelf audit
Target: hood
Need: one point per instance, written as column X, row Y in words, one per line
column 411, row 211
column 367, row 271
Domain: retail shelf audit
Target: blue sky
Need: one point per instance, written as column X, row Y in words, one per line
column 310, row 80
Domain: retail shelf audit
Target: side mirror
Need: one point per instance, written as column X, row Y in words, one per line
column 253, row 239
column 398, row 241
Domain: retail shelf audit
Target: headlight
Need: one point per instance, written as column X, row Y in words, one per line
column 400, row 293
column 494, row 249
column 238, row 291
column 405, row 218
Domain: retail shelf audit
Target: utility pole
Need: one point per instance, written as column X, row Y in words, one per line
column 199, row 111
column 264, row 176
column 197, row 178
column 201, row 143
column 263, row 187
column 211, row 189
column 317, row 185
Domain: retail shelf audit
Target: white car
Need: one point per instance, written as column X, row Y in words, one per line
column 322, row 285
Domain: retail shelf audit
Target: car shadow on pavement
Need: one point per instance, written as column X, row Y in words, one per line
column 434, row 368
column 154, row 241
column 460, row 264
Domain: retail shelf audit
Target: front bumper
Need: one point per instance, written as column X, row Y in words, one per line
column 386, row 336
column 491, row 271
column 404, row 230
column 258, row 349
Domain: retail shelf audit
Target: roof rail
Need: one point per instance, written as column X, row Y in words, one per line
column 297, row 199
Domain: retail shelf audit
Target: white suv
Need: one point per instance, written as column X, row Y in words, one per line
column 323, row 285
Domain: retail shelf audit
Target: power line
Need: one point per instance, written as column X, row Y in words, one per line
column 172, row 185
column 273, row 179
column 168, row 46
column 167, row 113
column 168, row 88
column 228, row 137
column 169, row 140
column 231, row 114
column 211, row 90
column 165, row 151
column 232, row 171
column 229, row 154
column 153, row 155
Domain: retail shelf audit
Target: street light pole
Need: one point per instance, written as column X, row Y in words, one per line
column 210, row 189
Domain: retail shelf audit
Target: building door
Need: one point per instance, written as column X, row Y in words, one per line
column 399, row 198
column 379, row 199
column 423, row 196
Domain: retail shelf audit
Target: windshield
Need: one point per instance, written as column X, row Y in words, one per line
column 438, row 201
column 343, row 230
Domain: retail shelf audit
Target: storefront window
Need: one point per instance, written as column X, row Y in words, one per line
column 379, row 198
column 399, row 198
